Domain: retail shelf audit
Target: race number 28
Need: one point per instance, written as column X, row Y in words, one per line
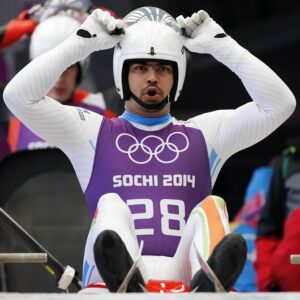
column 166, row 215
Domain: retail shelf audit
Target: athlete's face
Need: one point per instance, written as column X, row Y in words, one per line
column 151, row 82
column 64, row 87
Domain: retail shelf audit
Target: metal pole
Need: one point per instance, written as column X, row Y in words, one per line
column 295, row 259
column 53, row 266
column 23, row 258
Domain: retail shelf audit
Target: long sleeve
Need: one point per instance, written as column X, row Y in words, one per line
column 71, row 129
column 229, row 131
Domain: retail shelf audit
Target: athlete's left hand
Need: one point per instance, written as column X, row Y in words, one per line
column 201, row 31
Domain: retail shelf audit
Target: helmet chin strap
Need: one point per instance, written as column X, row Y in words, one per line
column 148, row 106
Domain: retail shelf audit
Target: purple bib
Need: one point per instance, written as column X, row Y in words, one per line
column 161, row 175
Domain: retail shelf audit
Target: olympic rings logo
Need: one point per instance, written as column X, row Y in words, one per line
column 152, row 146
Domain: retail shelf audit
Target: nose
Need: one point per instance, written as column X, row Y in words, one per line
column 62, row 77
column 152, row 76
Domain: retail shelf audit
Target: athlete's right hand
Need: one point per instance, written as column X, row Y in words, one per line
column 101, row 27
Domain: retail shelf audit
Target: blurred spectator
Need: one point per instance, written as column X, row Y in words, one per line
column 3, row 69
column 245, row 223
column 4, row 149
column 48, row 25
column 278, row 232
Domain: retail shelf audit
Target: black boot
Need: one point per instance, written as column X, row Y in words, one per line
column 113, row 262
column 226, row 261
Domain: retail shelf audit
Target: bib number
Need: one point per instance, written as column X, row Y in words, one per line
column 170, row 209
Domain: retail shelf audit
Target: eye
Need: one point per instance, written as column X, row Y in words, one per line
column 139, row 67
column 166, row 68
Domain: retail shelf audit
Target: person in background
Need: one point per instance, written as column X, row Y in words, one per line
column 47, row 26
column 245, row 223
column 278, row 231
column 4, row 113
column 4, row 148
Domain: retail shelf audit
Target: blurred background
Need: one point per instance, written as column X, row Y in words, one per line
column 270, row 29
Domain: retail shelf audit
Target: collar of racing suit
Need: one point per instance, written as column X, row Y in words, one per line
column 147, row 121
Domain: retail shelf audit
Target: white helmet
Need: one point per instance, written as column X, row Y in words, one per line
column 51, row 32
column 152, row 34
column 78, row 9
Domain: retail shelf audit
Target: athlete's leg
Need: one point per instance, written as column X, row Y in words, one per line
column 112, row 216
column 208, row 232
column 211, row 223
column 206, row 226
column 226, row 261
column 113, row 262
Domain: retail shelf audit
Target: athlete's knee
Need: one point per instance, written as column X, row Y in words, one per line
column 112, row 202
column 113, row 214
column 218, row 201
